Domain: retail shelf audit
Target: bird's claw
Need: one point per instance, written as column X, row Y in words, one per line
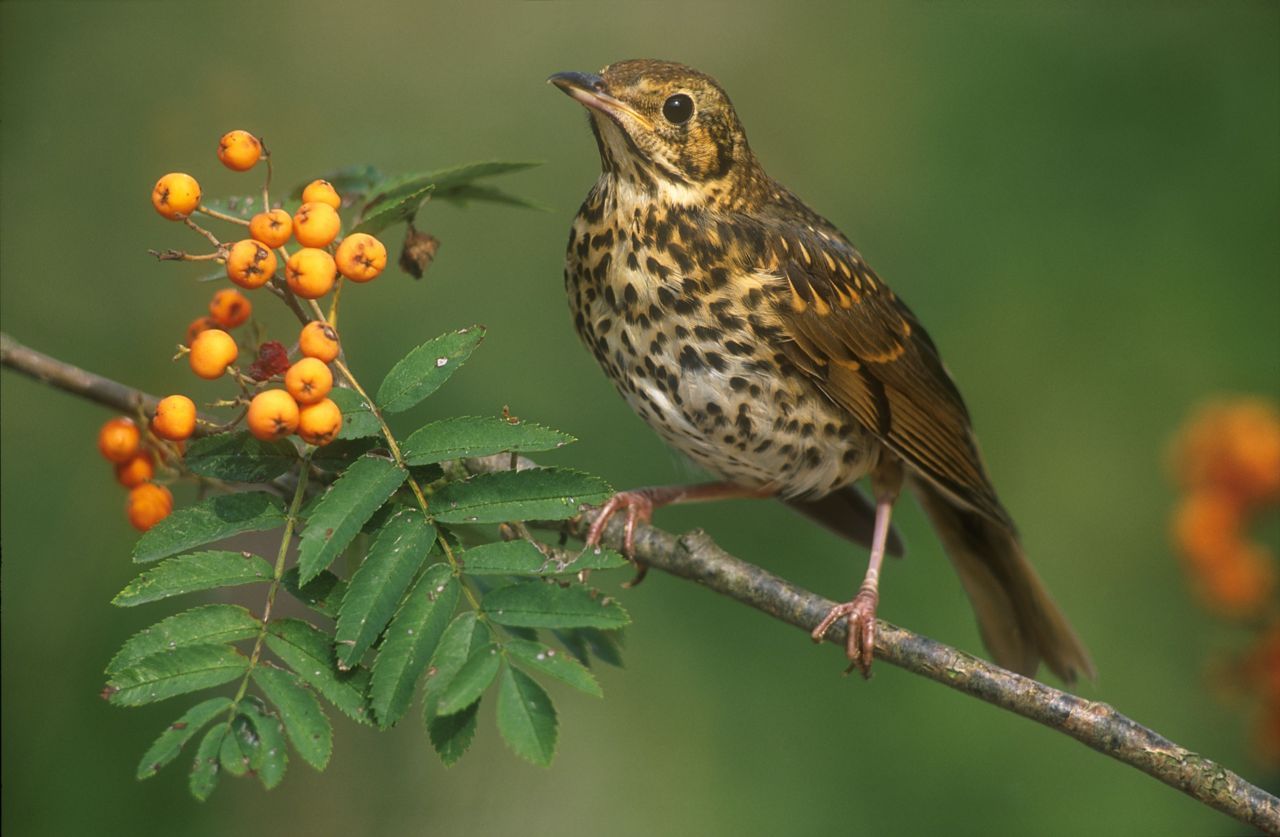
column 638, row 506
column 861, row 639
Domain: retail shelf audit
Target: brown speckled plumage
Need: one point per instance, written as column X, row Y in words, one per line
column 753, row 336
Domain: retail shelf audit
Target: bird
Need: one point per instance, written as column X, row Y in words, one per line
column 749, row 332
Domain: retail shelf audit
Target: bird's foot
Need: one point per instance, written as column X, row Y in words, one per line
column 638, row 506
column 861, row 640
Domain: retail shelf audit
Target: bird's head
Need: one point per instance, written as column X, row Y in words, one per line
column 662, row 124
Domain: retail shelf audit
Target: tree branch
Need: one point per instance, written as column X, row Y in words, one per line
column 696, row 557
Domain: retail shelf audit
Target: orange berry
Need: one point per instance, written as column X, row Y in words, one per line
column 319, row 423
column 118, row 439
column 230, row 308
column 176, row 195
column 273, row 414
column 250, row 264
column 308, row 380
column 198, row 325
column 148, row 505
column 316, row 224
column 321, row 191
column 135, row 471
column 319, row 340
column 211, row 353
column 361, row 257
column 239, row 150
column 175, row 418
column 310, row 273
column 271, row 228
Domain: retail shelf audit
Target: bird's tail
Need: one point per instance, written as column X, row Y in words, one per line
column 1018, row 619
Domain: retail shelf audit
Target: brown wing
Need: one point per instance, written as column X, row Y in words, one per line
column 867, row 352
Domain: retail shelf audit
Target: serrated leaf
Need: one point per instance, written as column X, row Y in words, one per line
column 423, row 370
column 214, row 624
column 558, row 664
column 309, row 651
column 410, row 641
column 189, row 573
column 341, row 511
column 341, row 452
column 464, row 636
column 239, row 457
column 451, row 735
column 175, row 672
column 538, row 605
column 238, row 750
column 454, row 438
column 323, row 594
column 584, row 642
column 471, row 680
column 274, row 756
column 521, row 557
column 170, row 743
column 526, row 718
column 304, row 719
column 535, row 494
column 383, row 212
column 462, row 195
column 358, row 421
column 397, row 553
column 445, row 181
column 204, row 771
column 213, row 519
column 350, row 182
column 241, row 206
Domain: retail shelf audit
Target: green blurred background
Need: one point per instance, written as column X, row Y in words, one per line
column 1080, row 202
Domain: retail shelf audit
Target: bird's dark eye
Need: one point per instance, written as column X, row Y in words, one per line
column 678, row 108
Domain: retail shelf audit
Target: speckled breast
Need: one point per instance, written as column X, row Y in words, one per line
column 688, row 337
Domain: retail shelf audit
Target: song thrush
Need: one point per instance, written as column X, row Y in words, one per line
column 748, row 331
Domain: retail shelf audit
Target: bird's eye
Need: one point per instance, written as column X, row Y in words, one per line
column 677, row 109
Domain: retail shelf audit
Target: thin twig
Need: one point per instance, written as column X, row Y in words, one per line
column 696, row 557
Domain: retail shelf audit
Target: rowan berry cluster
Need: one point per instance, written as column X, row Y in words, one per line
column 1227, row 461
column 277, row 398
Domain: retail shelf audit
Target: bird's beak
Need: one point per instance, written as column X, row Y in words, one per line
column 591, row 91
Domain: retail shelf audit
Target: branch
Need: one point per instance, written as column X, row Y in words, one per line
column 696, row 557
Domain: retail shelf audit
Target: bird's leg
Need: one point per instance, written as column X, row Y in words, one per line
column 886, row 482
column 639, row 505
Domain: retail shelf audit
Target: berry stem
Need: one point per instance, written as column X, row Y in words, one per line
column 221, row 216
column 210, row 236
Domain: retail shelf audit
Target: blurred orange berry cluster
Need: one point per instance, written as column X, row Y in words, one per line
column 302, row 406
column 1227, row 460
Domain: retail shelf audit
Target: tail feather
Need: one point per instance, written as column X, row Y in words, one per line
column 1019, row 622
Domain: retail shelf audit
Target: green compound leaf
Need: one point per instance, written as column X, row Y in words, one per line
column 423, row 370
column 215, row 624
column 188, row 573
column 204, row 772
column 536, row 494
column 340, row 512
column 410, row 641
column 454, row 438
column 239, row 457
column 401, row 197
column 583, row 643
column 394, row 558
column 524, row 558
column 174, row 673
column 538, row 605
column 384, row 212
column 304, row 719
column 471, row 680
column 526, row 718
column 451, row 735
column 272, row 753
column 323, row 594
column 558, row 664
column 341, row 452
column 358, row 421
column 350, row 181
column 170, row 743
column 309, row 651
column 218, row 517
column 239, row 749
